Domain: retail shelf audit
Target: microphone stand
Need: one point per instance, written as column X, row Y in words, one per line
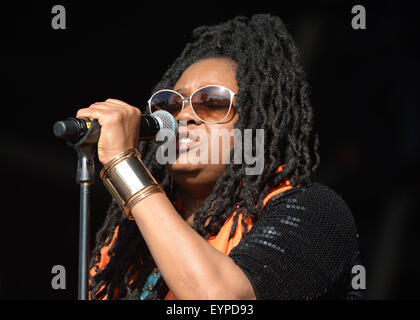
column 86, row 152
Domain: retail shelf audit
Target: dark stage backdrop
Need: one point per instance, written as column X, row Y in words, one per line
column 363, row 89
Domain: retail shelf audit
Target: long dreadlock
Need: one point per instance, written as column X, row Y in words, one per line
column 273, row 95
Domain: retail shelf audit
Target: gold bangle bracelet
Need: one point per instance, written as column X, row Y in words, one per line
column 130, row 153
column 128, row 180
column 140, row 195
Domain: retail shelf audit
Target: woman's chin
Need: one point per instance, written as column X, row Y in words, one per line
column 179, row 167
column 187, row 161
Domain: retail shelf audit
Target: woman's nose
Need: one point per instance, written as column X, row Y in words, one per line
column 187, row 114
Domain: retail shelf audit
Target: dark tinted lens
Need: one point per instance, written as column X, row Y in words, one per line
column 211, row 103
column 168, row 101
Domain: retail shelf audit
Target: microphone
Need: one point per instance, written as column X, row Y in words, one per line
column 73, row 129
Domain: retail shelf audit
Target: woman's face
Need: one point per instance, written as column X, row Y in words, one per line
column 187, row 171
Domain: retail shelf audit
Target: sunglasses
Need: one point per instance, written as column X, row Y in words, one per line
column 210, row 104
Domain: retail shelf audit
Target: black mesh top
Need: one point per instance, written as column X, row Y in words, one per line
column 303, row 246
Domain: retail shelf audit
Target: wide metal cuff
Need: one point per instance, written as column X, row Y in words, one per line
column 125, row 176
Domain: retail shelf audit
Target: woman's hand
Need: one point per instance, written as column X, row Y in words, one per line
column 120, row 124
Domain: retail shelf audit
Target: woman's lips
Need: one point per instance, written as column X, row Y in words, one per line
column 187, row 142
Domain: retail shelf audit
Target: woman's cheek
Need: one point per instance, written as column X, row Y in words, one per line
column 222, row 142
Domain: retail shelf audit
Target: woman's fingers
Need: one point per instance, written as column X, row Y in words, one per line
column 116, row 101
column 106, row 112
column 119, row 123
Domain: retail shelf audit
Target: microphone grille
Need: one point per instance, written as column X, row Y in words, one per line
column 167, row 123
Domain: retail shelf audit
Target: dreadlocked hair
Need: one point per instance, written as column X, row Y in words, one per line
column 273, row 95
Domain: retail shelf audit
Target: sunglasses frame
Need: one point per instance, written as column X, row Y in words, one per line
column 232, row 94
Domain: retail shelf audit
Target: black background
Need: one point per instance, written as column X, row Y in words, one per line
column 364, row 86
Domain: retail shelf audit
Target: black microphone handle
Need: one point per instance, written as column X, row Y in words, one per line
column 74, row 128
column 71, row 129
column 149, row 127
